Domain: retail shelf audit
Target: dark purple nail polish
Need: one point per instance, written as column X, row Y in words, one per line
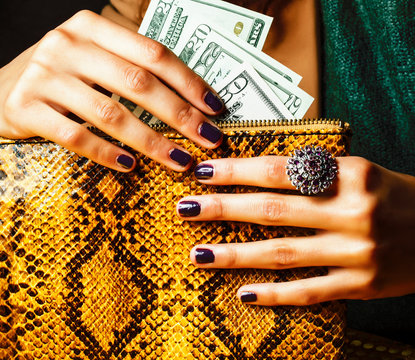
column 204, row 256
column 210, row 132
column 189, row 208
column 248, row 296
column 203, row 171
column 125, row 161
column 181, row 157
column 213, row 101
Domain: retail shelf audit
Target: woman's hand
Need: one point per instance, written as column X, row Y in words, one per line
column 366, row 237
column 61, row 73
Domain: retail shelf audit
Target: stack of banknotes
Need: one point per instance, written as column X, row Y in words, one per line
column 222, row 43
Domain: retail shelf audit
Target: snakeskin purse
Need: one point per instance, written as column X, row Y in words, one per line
column 94, row 263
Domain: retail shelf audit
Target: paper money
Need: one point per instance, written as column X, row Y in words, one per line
column 247, row 97
column 215, row 38
column 218, row 55
column 182, row 25
column 188, row 23
column 172, row 22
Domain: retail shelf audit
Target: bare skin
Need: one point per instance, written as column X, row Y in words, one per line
column 292, row 37
column 366, row 222
column 60, row 74
column 366, row 231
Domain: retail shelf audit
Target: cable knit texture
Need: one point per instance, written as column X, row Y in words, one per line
column 369, row 78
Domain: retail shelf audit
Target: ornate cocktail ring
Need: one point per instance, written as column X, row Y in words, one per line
column 311, row 169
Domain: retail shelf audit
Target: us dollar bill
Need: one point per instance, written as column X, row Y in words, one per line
column 182, row 26
column 247, row 97
column 188, row 23
column 172, row 22
column 219, row 54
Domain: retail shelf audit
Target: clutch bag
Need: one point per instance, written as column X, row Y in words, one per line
column 94, row 263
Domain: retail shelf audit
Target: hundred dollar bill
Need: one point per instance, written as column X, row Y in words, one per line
column 172, row 21
column 218, row 55
column 247, row 97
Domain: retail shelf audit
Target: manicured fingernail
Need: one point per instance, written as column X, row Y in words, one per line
column 204, row 256
column 181, row 157
column 203, row 171
column 189, row 208
column 213, row 101
column 210, row 132
column 125, row 161
column 248, row 296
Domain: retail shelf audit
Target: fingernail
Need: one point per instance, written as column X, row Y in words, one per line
column 210, row 132
column 125, row 161
column 248, row 296
column 181, row 157
column 213, row 101
column 189, row 208
column 203, row 171
column 204, row 256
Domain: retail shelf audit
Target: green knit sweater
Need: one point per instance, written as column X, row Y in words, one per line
column 369, row 76
column 368, row 56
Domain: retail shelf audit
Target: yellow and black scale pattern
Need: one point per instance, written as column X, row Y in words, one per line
column 94, row 264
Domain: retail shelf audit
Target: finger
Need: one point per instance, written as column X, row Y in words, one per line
column 144, row 89
column 77, row 138
column 114, row 119
column 148, row 54
column 326, row 249
column 264, row 171
column 336, row 285
column 261, row 208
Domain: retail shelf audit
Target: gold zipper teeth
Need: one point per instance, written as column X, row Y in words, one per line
column 278, row 123
column 241, row 125
column 271, row 124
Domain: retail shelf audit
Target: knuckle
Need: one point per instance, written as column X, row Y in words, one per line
column 274, row 297
column 13, row 102
column 283, row 255
column 231, row 257
column 54, row 40
column 102, row 154
column 184, row 116
column 305, row 296
column 109, row 112
column 82, row 18
column 364, row 213
column 194, row 83
column 155, row 51
column 272, row 210
column 136, row 79
column 369, row 253
column 229, row 170
column 273, row 171
column 371, row 286
column 23, row 93
column 9, row 108
column 217, row 208
column 151, row 143
column 367, row 174
column 71, row 137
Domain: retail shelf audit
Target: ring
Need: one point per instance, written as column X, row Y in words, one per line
column 311, row 169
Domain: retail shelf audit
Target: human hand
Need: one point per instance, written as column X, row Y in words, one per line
column 59, row 75
column 366, row 235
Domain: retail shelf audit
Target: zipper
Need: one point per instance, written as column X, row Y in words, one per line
column 239, row 125
column 271, row 125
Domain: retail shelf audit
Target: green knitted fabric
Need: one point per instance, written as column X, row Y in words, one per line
column 368, row 56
